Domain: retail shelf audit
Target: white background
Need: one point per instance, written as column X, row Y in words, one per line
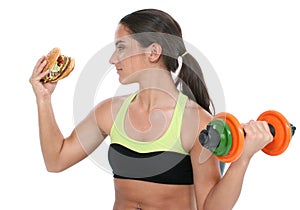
column 254, row 47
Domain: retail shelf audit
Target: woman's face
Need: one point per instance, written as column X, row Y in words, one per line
column 129, row 57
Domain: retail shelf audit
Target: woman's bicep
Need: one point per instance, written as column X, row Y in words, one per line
column 85, row 138
column 206, row 173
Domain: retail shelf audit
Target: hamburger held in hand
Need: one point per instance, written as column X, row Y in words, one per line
column 59, row 66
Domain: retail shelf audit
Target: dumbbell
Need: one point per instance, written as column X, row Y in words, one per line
column 224, row 135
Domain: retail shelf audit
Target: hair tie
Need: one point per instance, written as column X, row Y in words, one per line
column 184, row 54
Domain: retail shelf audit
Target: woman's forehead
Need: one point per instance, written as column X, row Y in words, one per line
column 121, row 32
column 123, row 35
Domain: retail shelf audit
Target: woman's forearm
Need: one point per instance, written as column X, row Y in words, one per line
column 226, row 193
column 51, row 138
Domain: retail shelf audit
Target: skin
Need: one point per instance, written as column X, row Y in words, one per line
column 148, row 117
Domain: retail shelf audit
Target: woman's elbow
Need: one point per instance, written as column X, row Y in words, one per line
column 216, row 207
column 54, row 167
column 53, row 170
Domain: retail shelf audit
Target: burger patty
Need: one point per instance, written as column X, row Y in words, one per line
column 59, row 67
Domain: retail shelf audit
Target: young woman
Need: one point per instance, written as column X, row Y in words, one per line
column 154, row 150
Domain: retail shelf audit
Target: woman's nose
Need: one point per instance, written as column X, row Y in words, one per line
column 113, row 59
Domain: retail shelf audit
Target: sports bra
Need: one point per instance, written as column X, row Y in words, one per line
column 162, row 160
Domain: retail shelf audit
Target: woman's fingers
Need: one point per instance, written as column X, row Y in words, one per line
column 250, row 127
column 265, row 127
column 39, row 63
column 40, row 66
column 259, row 130
column 42, row 75
column 37, row 73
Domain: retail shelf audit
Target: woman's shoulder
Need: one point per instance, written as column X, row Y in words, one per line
column 106, row 110
column 196, row 112
column 195, row 119
column 112, row 103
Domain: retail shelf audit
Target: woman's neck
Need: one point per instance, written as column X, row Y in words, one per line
column 157, row 89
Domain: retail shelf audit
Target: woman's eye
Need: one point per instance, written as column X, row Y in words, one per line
column 121, row 47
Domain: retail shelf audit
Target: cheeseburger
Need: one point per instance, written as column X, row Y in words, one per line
column 59, row 65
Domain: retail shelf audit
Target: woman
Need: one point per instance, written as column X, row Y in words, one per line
column 154, row 150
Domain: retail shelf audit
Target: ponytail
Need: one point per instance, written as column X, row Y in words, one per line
column 150, row 25
column 192, row 83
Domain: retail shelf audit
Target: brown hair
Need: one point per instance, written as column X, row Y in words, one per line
column 156, row 26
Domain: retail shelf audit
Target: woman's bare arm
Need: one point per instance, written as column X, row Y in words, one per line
column 59, row 152
column 216, row 192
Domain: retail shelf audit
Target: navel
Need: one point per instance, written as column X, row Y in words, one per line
column 138, row 206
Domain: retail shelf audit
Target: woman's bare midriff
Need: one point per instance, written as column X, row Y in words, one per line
column 140, row 195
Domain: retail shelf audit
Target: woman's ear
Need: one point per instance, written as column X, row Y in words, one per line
column 155, row 52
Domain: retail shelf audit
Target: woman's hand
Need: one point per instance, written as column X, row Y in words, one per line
column 41, row 90
column 258, row 135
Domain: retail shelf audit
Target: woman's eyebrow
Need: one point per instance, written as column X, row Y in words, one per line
column 118, row 42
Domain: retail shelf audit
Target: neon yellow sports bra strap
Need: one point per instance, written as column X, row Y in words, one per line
column 175, row 125
column 170, row 141
column 120, row 118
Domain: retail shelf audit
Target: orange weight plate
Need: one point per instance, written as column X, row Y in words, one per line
column 237, row 137
column 282, row 136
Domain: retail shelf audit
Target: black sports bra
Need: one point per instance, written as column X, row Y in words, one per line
column 163, row 160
